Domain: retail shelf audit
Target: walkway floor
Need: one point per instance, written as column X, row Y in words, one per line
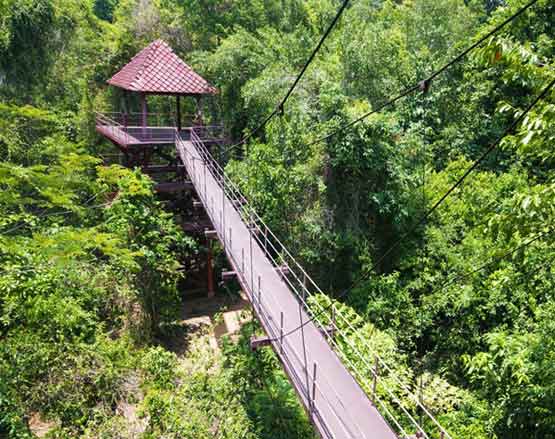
column 335, row 402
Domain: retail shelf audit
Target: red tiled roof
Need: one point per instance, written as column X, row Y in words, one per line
column 157, row 69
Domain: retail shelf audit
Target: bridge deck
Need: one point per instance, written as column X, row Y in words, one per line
column 134, row 136
column 335, row 402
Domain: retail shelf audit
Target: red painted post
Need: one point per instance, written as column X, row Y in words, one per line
column 144, row 113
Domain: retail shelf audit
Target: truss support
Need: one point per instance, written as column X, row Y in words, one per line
column 260, row 342
column 228, row 275
column 211, row 234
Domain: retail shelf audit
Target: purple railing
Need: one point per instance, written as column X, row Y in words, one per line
column 127, row 128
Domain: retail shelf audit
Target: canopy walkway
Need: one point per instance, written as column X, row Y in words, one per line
column 337, row 405
column 354, row 396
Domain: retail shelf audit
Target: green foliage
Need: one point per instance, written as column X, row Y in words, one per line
column 82, row 270
column 457, row 283
column 90, row 259
column 263, row 389
column 104, row 9
column 153, row 238
column 159, row 366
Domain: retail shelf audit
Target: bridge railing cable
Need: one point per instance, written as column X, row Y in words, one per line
column 243, row 271
column 298, row 280
column 422, row 84
column 113, row 127
column 303, row 286
column 335, row 332
column 279, row 107
column 449, row 192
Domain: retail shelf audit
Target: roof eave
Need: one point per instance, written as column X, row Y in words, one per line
column 214, row 91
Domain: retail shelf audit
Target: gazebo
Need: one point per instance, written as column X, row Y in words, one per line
column 147, row 140
column 155, row 70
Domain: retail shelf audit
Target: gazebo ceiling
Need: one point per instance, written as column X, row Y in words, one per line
column 158, row 70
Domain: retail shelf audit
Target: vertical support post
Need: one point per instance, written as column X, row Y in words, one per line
column 259, row 292
column 421, row 400
column 198, row 118
column 223, row 229
column 252, row 274
column 259, row 298
column 265, row 240
column 209, row 270
column 125, row 108
column 281, row 332
column 144, row 111
column 230, row 243
column 313, row 399
column 178, row 112
column 375, row 379
column 243, row 260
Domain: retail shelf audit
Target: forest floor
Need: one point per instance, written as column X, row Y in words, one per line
column 202, row 322
column 220, row 315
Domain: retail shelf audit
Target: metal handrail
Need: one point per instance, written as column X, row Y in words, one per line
column 388, row 368
column 306, row 290
column 112, row 125
column 250, row 217
column 272, row 327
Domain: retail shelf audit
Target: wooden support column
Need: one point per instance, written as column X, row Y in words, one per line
column 125, row 109
column 198, row 117
column 178, row 112
column 210, row 269
column 144, row 111
column 125, row 159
